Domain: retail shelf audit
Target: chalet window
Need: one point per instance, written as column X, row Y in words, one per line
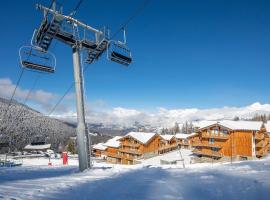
column 214, row 131
column 211, row 140
column 214, row 149
column 224, row 131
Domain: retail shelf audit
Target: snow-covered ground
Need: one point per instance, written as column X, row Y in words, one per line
column 150, row 180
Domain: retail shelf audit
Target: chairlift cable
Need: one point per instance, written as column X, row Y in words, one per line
column 29, row 94
column 13, row 93
column 73, row 13
column 135, row 14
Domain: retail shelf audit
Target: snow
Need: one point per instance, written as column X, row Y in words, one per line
column 267, row 126
column 100, row 146
column 233, row 125
column 141, row 136
column 37, row 147
column 36, row 180
column 114, row 142
column 167, row 137
column 182, row 135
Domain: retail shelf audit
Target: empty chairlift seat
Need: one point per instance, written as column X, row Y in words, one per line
column 34, row 59
column 119, row 52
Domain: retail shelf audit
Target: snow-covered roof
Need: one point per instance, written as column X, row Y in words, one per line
column 237, row 125
column 141, row 136
column 167, row 137
column 192, row 134
column 182, row 135
column 37, row 147
column 114, row 142
column 203, row 123
column 100, row 146
column 267, row 126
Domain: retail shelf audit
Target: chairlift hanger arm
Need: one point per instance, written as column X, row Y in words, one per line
column 69, row 18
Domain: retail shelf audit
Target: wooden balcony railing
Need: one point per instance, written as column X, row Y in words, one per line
column 262, row 152
column 114, row 155
column 200, row 144
column 259, row 136
column 261, row 144
column 167, row 147
column 216, row 136
column 131, row 151
column 130, row 145
column 208, row 153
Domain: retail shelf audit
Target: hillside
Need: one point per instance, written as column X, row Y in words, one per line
column 23, row 125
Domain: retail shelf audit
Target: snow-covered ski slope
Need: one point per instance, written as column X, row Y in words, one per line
column 242, row 180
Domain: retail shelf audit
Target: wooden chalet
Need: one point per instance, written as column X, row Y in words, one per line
column 112, row 151
column 138, row 145
column 267, row 126
column 167, row 143
column 183, row 140
column 235, row 140
column 99, row 150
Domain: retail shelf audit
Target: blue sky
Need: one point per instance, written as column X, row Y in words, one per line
column 187, row 54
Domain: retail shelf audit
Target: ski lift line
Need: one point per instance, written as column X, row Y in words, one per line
column 86, row 68
column 24, row 102
column 135, row 14
column 13, row 93
column 61, row 99
column 73, row 13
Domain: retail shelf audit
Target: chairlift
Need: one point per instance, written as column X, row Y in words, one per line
column 33, row 58
column 118, row 52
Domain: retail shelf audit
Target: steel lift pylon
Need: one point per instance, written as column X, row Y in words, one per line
column 37, row 57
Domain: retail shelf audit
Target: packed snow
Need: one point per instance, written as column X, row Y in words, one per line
column 149, row 180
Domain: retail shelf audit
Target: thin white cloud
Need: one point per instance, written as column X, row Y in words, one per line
column 40, row 97
column 163, row 117
column 99, row 112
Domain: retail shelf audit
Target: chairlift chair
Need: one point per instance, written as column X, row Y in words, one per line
column 118, row 52
column 34, row 58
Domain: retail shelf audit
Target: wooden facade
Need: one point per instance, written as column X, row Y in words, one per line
column 112, row 151
column 167, row 143
column 132, row 148
column 99, row 150
column 218, row 141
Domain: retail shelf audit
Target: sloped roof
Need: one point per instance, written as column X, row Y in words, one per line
column 203, row 123
column 141, row 136
column 237, row 125
column 37, row 147
column 100, row 146
column 182, row 135
column 167, row 137
column 114, row 142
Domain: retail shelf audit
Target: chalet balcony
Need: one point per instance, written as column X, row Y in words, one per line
column 183, row 143
column 262, row 152
column 113, row 155
column 164, row 147
column 259, row 136
column 208, row 153
column 130, row 151
column 126, row 144
column 201, row 144
column 216, row 136
column 261, row 144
